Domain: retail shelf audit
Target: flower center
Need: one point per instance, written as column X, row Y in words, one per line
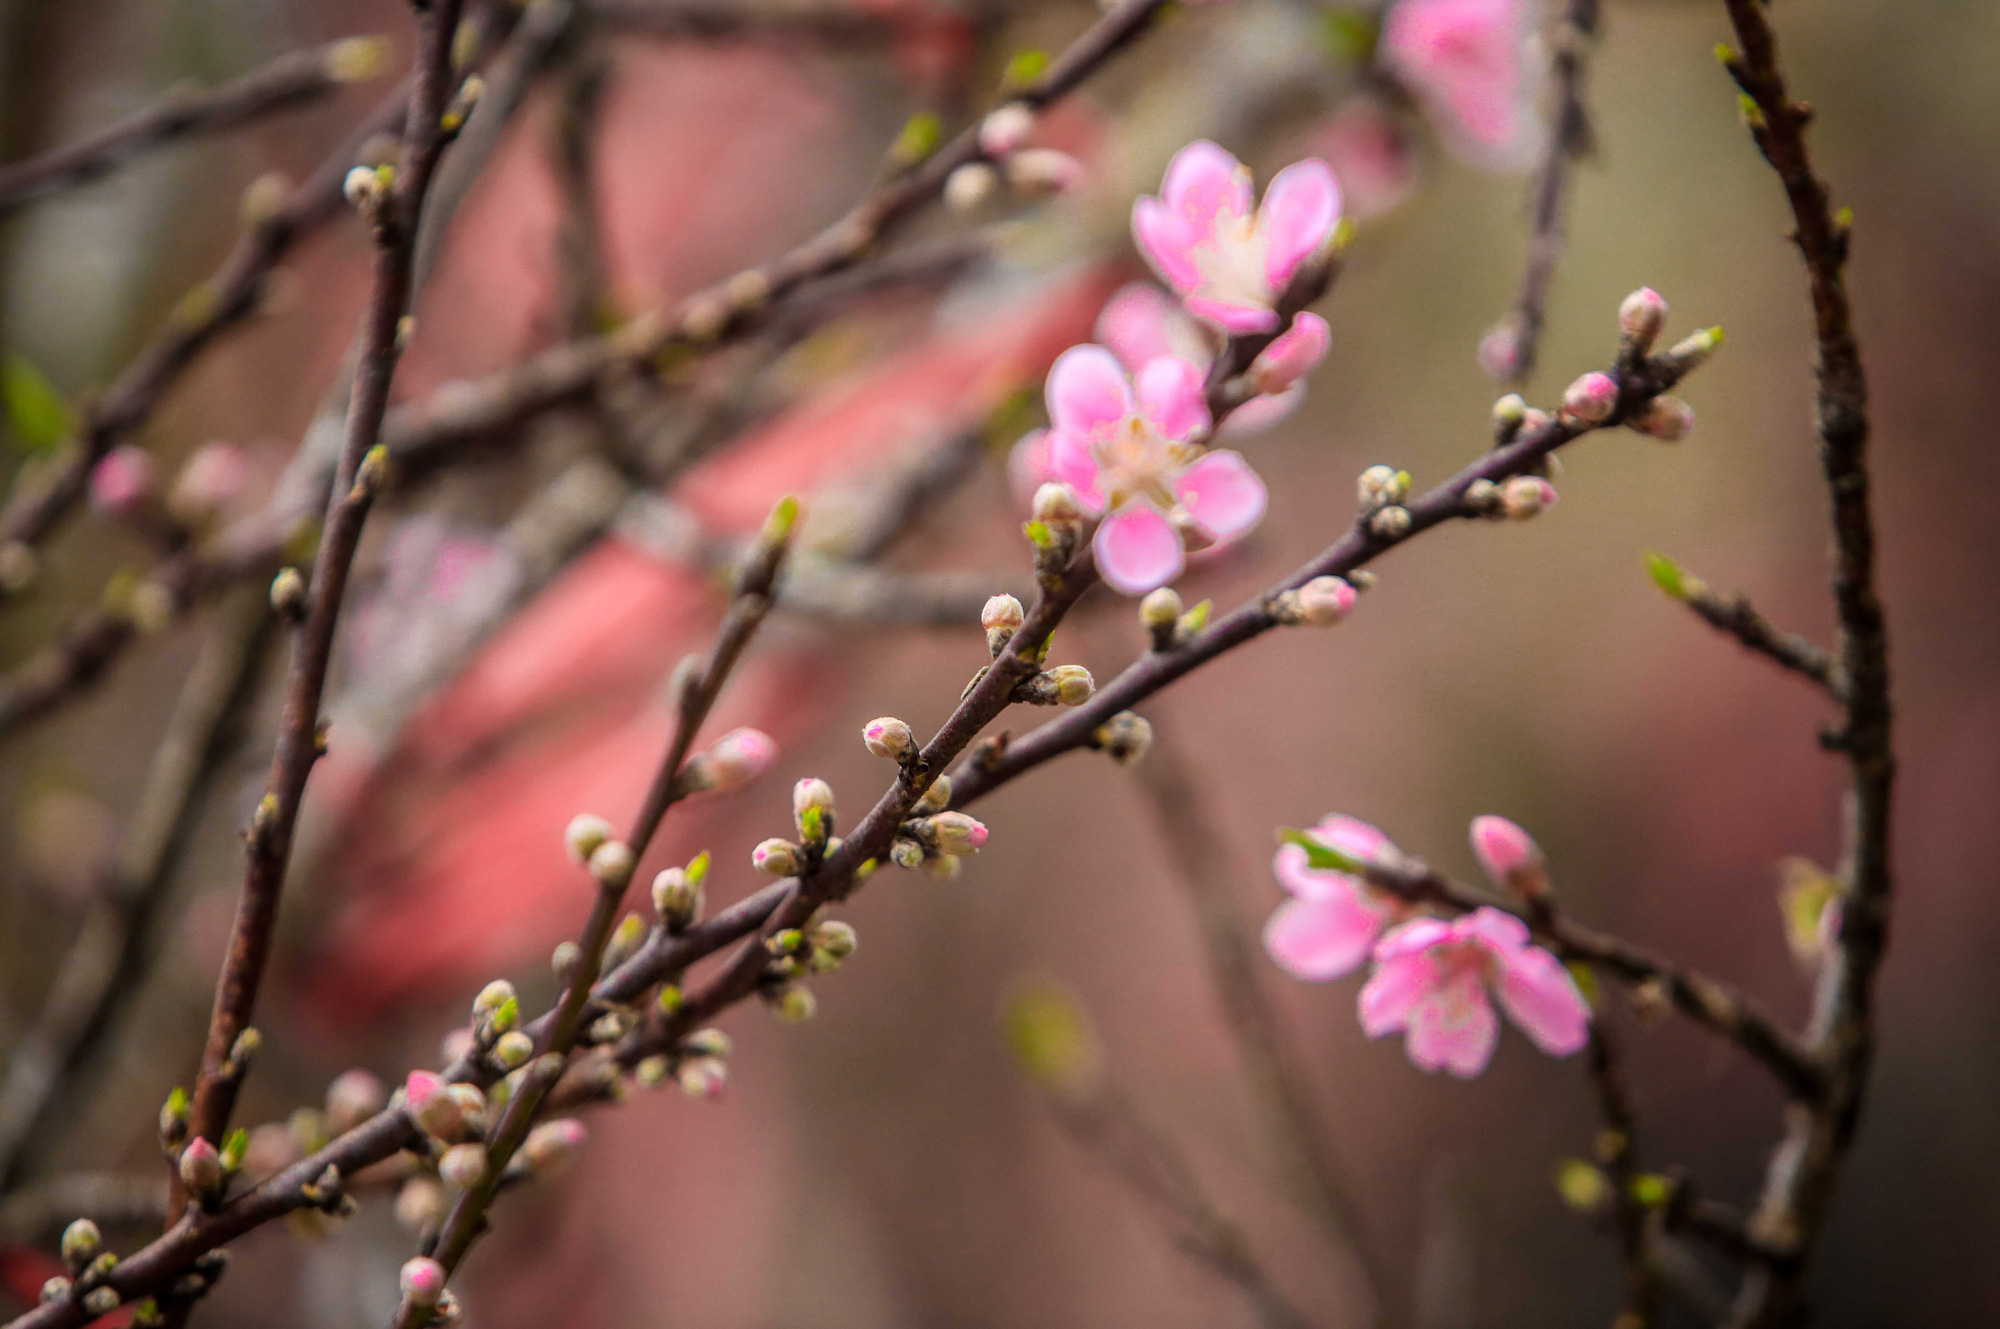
column 1134, row 460
column 1232, row 262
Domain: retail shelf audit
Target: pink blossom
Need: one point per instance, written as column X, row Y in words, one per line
column 1465, row 58
column 1432, row 982
column 1369, row 151
column 1506, row 853
column 1129, row 448
column 1333, row 918
column 1228, row 262
column 121, row 484
column 211, row 481
column 1295, row 353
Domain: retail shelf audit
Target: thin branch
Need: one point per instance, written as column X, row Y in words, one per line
column 1618, row 1151
column 1276, row 1071
column 1737, row 617
column 1798, row 1191
column 357, row 479
column 289, row 80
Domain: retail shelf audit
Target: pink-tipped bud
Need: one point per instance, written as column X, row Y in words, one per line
column 122, row 483
column 423, row 1281
column 201, row 1167
column 1002, row 611
column 463, row 1165
column 1324, row 601
column 1296, row 352
column 1500, row 351
column 957, row 834
column 1591, row 398
column 812, row 806
column 776, row 858
column 1667, row 418
column 1509, row 856
column 1006, row 129
column 429, row 1101
column 213, row 479
column 1642, row 316
column 352, row 1098
column 740, row 756
column 1524, row 496
column 1043, row 172
column 552, row 1144
column 888, row 737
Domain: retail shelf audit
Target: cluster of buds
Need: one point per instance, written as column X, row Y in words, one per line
column 699, row 1066
column 1028, row 172
column 1065, row 685
column 447, row 1113
column 89, row 1266
column 677, row 894
column 1516, row 499
column 731, row 762
column 1320, row 603
column 594, row 846
column 495, row 1012
column 1166, row 622
column 1381, row 491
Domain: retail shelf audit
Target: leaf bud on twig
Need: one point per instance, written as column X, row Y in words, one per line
column 1125, row 737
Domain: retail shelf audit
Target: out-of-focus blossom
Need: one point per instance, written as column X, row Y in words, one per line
column 121, row 484
column 1228, row 258
column 1332, row 920
column 1432, row 982
column 1465, row 58
column 209, row 484
column 1129, row 449
column 1369, row 150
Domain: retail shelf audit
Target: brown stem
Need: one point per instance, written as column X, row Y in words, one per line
column 1738, row 618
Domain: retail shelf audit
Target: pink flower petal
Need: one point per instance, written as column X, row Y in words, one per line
column 1261, row 413
column 1205, row 181
column 1172, row 394
column 1168, row 240
column 1087, row 387
column 1392, row 993
column 1454, row 1029
column 1316, row 940
column 1138, row 550
column 1544, row 1003
column 1069, row 461
column 1231, row 316
column 1133, row 324
column 1029, row 466
column 1300, row 208
column 1223, row 495
column 1411, row 938
column 1495, row 929
column 1295, row 352
column 1349, row 835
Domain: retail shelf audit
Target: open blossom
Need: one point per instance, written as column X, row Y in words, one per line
column 1230, row 260
column 1140, row 323
column 1465, row 57
column 1332, row 920
column 1128, row 448
column 1432, row 982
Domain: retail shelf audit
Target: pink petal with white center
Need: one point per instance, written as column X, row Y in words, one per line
column 1318, row 940
column 1261, row 413
column 1204, row 182
column 1544, row 1002
column 1087, row 387
column 1300, row 209
column 1138, row 549
column 1168, row 241
column 1069, row 461
column 1172, row 394
column 1232, row 316
column 1393, row 992
column 1454, row 1029
column 1223, row 495
column 1133, row 324
column 1029, row 465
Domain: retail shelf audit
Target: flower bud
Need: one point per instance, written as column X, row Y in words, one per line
column 1042, row 172
column 100, row 1301
column 564, row 960
column 429, row 1102
column 738, row 757
column 364, row 188
column 288, row 592
column 1391, row 523
column 1161, row 609
column 512, row 1049
column 1056, row 506
column 611, row 864
column 201, row 1167
column 1641, row 317
column 836, row 939
column 1526, row 495
column 1483, row 496
column 888, row 737
column 1324, row 601
column 707, row 1043
column 956, row 833
column 56, row 1289
column 471, row 1101
column 1295, row 352
column 1004, row 130
column 81, row 1241
column 463, row 1165
column 1508, row 413
column 122, row 483
column 968, row 188
column 906, row 853
column 1073, row 684
column 776, row 858
column 583, row 836
column 422, row 1281
column 1502, row 349
column 552, row 1144
column 624, row 942
column 702, row 1077
column 420, row 1204
column 1667, row 418
column 796, row 1005
column 812, row 795
column 1591, row 399
column 943, row 867
column 1510, row 857
column 1380, row 486
column 1002, row 618
column 676, row 899
column 1125, row 737
column 498, row 1006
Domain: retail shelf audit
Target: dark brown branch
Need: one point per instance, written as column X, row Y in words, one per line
column 1798, row 1191
column 1738, row 618
column 357, row 479
column 287, row 81
column 1618, row 1151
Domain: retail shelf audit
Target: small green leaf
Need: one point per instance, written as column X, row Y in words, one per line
column 234, row 1148
column 1805, row 892
column 1583, row 1186
column 1195, row 619
column 37, row 415
column 784, row 516
column 1351, row 35
column 1322, row 856
column 1023, row 68
column 697, row 870
column 1651, row 1189
column 1039, row 535
column 1050, row 1036
column 177, row 1101
column 1586, row 982
column 918, row 139
column 1667, row 575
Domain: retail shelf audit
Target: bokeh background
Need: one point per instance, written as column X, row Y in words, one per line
column 887, row 1164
